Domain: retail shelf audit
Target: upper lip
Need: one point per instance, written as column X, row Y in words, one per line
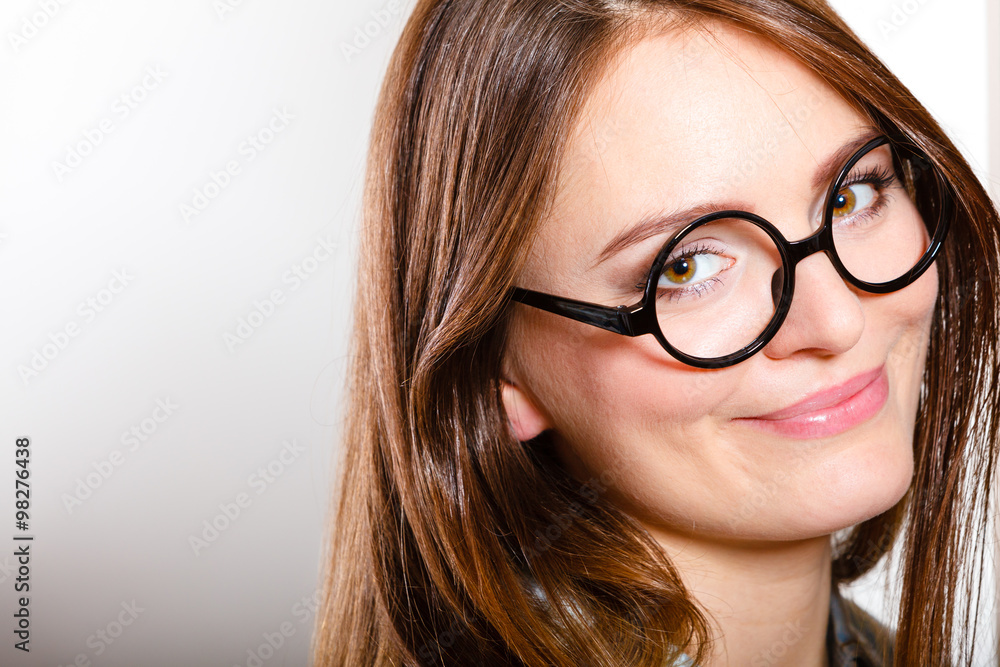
column 827, row 397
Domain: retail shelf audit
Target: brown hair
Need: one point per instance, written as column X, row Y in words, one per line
column 454, row 544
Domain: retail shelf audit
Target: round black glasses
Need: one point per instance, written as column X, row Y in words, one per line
column 719, row 289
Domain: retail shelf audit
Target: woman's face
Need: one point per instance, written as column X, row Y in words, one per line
column 683, row 120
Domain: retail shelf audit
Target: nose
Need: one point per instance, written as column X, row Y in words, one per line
column 826, row 315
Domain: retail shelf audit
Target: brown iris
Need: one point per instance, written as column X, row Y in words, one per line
column 680, row 271
column 844, row 202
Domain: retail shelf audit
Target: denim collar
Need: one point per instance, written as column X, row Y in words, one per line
column 855, row 637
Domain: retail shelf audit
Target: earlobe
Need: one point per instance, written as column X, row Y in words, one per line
column 526, row 420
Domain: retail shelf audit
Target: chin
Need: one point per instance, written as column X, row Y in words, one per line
column 832, row 484
column 870, row 478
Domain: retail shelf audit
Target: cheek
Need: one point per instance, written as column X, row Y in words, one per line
column 620, row 404
column 907, row 317
column 587, row 379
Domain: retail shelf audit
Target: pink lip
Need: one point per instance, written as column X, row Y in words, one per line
column 830, row 411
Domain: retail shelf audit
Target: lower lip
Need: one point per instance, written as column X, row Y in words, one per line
column 830, row 421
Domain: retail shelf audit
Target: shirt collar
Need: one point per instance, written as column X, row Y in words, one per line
column 854, row 637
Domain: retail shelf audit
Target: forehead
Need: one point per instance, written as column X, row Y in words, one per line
column 689, row 117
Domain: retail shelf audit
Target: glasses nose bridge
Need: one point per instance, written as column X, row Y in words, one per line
column 820, row 241
column 817, row 242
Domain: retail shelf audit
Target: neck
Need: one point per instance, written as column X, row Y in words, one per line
column 769, row 602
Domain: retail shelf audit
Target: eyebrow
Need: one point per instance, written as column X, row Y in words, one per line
column 656, row 224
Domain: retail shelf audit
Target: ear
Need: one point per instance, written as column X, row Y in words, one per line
column 526, row 420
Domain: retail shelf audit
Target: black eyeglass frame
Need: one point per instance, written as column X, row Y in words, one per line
column 640, row 318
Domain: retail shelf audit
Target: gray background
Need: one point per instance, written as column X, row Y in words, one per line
column 225, row 67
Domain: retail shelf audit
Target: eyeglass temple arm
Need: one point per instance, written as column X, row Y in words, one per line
column 619, row 320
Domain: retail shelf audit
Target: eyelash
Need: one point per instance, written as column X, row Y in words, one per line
column 691, row 290
column 879, row 178
column 698, row 249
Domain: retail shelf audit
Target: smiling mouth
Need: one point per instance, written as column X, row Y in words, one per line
column 830, row 411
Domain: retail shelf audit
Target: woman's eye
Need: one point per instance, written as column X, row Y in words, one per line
column 691, row 269
column 853, row 198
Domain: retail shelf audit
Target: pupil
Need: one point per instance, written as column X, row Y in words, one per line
column 681, row 271
column 844, row 202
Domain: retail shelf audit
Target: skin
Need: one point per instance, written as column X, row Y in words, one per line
column 680, row 119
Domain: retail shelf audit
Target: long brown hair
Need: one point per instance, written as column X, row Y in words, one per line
column 453, row 543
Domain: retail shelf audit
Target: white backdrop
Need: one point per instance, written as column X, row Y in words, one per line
column 179, row 184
